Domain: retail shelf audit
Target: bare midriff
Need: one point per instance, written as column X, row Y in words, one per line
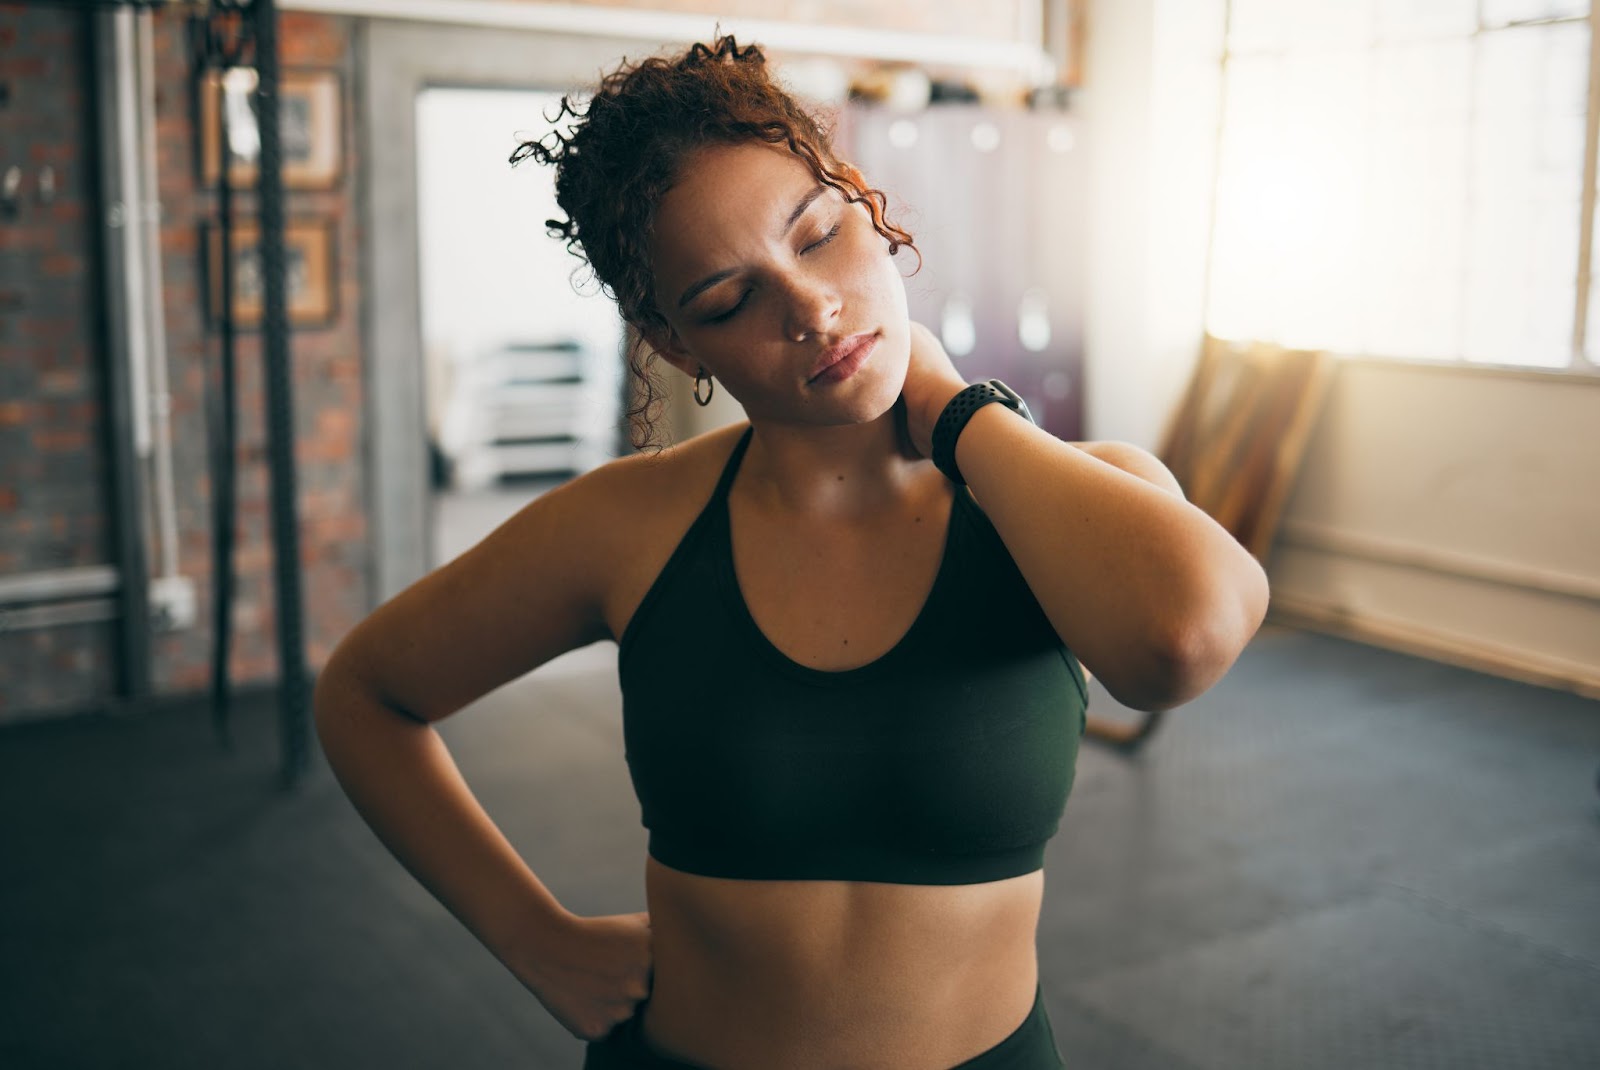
column 785, row 975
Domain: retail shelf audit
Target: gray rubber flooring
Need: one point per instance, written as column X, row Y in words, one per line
column 1339, row 857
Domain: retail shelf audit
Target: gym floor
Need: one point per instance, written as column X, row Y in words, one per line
column 1338, row 857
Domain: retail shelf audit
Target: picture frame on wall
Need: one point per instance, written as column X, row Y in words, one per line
column 310, row 112
column 312, row 285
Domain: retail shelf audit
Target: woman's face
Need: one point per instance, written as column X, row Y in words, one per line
column 765, row 276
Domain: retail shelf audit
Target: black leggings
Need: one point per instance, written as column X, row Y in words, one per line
column 1032, row 1046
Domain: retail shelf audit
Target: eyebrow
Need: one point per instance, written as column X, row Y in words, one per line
column 711, row 280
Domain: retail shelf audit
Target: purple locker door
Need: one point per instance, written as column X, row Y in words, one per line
column 1048, row 314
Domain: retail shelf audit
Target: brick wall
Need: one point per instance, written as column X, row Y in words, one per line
column 327, row 388
column 53, row 473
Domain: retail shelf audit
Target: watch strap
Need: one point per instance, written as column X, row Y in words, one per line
column 947, row 429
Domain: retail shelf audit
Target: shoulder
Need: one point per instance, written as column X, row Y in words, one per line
column 631, row 513
column 550, row 579
column 659, row 483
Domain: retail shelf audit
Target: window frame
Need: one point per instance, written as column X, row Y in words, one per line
column 1580, row 363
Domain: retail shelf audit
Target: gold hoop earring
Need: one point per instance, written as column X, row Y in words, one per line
column 711, row 388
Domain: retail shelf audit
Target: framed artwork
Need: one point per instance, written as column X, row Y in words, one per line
column 310, row 128
column 308, row 265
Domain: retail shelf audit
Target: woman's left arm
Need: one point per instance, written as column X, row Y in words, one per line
column 1154, row 597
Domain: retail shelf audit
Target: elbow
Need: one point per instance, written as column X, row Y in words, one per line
column 330, row 698
column 335, row 683
column 1204, row 644
column 338, row 699
column 1207, row 646
column 346, row 702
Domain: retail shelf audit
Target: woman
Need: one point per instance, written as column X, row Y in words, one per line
column 851, row 687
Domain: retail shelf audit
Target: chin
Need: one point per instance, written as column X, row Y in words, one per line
column 898, row 346
column 877, row 401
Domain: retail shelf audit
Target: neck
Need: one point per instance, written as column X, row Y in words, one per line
column 847, row 471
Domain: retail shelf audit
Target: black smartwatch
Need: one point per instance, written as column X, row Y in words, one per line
column 947, row 429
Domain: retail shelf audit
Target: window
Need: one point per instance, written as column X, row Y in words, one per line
column 1406, row 178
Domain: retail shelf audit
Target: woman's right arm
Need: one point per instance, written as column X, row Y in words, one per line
column 530, row 591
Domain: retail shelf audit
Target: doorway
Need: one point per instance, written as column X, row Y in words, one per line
column 400, row 61
column 520, row 350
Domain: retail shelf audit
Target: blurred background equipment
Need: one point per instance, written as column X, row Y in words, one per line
column 529, row 408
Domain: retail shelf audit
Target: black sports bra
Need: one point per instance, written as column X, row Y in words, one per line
column 948, row 760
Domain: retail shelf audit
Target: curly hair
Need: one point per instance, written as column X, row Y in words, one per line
column 624, row 153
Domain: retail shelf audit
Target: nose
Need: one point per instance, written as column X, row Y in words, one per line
column 812, row 307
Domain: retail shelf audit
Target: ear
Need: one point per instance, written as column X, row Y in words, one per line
column 670, row 348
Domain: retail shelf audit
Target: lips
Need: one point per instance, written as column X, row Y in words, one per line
column 842, row 359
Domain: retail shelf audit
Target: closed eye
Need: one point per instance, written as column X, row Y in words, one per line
column 824, row 240
column 723, row 317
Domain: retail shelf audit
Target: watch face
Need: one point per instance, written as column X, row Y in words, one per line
column 1006, row 390
column 1014, row 399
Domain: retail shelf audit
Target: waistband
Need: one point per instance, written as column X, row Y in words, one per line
column 1031, row 1046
